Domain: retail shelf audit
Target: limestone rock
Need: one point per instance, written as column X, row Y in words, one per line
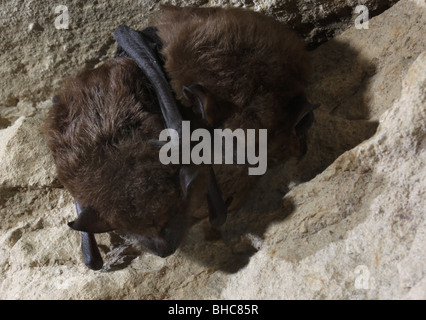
column 317, row 21
column 345, row 222
column 355, row 229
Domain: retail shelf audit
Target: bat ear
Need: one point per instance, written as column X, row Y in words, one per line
column 187, row 175
column 89, row 221
column 202, row 100
column 212, row 110
column 303, row 107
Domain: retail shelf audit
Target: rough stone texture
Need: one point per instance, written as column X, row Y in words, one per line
column 351, row 222
column 315, row 20
column 35, row 55
column 355, row 229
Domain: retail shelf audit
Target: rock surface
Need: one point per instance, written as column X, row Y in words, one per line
column 345, row 222
column 36, row 55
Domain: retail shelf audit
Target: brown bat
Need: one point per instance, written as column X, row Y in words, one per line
column 234, row 68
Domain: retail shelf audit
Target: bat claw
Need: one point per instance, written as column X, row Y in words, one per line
column 156, row 143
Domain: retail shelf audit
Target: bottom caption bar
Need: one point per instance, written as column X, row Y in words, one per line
column 214, row 309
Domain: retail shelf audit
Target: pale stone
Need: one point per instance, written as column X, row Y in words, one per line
column 364, row 227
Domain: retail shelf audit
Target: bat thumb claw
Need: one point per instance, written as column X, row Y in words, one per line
column 156, row 143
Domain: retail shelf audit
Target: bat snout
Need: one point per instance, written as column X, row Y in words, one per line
column 166, row 242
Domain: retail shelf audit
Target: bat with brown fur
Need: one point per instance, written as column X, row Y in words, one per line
column 234, row 68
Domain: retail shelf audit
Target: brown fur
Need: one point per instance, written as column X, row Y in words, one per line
column 98, row 132
column 250, row 66
column 249, row 63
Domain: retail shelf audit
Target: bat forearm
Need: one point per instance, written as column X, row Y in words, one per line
column 89, row 248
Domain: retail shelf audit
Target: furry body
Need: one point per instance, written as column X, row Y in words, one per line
column 246, row 69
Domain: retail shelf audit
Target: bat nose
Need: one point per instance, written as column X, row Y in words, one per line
column 158, row 245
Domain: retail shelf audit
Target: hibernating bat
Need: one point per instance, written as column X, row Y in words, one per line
column 224, row 68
